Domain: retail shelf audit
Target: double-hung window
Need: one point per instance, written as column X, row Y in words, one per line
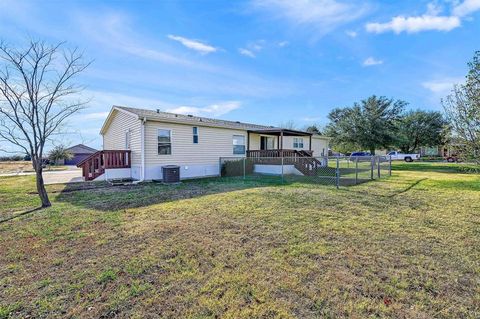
column 164, row 139
column 297, row 142
column 195, row 135
column 238, row 144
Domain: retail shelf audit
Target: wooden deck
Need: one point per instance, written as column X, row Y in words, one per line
column 301, row 159
column 96, row 164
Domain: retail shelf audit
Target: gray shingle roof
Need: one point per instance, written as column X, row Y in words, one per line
column 180, row 118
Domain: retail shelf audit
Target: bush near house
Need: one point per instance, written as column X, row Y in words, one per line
column 235, row 167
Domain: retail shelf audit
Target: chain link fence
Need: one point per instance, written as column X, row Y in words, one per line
column 337, row 171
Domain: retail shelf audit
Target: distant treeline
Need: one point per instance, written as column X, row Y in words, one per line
column 14, row 158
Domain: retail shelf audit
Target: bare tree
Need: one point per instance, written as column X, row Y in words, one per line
column 37, row 97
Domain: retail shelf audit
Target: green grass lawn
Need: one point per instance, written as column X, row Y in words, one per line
column 407, row 246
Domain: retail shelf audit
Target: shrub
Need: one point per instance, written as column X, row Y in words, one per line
column 235, row 167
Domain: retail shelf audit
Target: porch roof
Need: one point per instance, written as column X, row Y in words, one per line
column 280, row 131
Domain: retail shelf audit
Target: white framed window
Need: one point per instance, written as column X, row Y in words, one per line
column 127, row 140
column 238, row 144
column 164, row 140
column 298, row 142
column 195, row 135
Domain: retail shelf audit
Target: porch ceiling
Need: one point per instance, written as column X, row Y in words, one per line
column 280, row 131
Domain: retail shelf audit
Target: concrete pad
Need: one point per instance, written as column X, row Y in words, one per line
column 62, row 177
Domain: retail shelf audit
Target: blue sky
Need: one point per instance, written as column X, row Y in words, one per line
column 260, row 61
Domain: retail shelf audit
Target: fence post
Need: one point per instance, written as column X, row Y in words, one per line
column 282, row 168
column 378, row 166
column 390, row 165
column 244, row 173
column 356, row 170
column 337, row 173
column 372, row 165
column 220, row 166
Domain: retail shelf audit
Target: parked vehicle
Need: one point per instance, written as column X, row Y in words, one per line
column 358, row 155
column 403, row 157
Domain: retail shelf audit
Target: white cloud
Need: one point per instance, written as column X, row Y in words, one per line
column 415, row 24
column 351, row 34
column 194, row 44
column 283, row 43
column 246, row 52
column 430, row 21
column 213, row 110
column 466, row 7
column 442, row 86
column 370, row 61
column 252, row 47
column 323, row 15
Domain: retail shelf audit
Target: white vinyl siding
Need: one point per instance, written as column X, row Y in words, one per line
column 319, row 146
column 215, row 143
column 115, row 136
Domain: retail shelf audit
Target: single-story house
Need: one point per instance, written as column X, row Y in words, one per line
column 79, row 153
column 138, row 142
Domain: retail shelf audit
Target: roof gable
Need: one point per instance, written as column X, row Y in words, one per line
column 81, row 149
column 111, row 115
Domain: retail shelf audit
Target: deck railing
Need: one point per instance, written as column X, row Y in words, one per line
column 301, row 159
column 95, row 165
column 278, row 153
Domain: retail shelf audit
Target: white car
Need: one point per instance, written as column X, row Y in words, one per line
column 403, row 157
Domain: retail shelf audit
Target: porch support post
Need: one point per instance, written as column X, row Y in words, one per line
column 281, row 140
column 248, row 141
column 310, row 144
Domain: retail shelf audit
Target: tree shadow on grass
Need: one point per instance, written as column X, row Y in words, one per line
column 105, row 197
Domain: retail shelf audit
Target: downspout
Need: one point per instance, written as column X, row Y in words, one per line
column 142, row 150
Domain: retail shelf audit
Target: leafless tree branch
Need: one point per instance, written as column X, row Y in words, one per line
column 36, row 90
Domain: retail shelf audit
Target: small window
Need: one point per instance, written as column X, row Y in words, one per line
column 297, row 142
column 195, row 135
column 238, row 144
column 164, row 140
column 127, row 140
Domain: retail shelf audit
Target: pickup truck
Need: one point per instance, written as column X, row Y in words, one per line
column 403, row 157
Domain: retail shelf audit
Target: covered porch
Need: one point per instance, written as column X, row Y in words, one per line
column 278, row 142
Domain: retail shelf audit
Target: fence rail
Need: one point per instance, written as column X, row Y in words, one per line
column 338, row 171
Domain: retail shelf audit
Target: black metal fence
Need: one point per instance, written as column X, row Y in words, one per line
column 337, row 171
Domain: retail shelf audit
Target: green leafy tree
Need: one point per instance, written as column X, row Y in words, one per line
column 370, row 124
column 421, row 128
column 313, row 129
column 59, row 153
column 462, row 107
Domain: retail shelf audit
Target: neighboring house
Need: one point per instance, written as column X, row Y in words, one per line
column 138, row 142
column 79, row 153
